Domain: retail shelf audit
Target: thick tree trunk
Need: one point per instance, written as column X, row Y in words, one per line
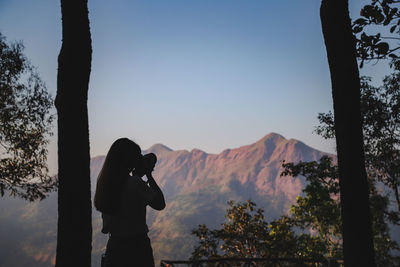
column 74, row 236
column 354, row 194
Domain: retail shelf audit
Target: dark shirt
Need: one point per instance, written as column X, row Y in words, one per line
column 130, row 219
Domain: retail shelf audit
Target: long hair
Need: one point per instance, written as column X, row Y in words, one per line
column 123, row 156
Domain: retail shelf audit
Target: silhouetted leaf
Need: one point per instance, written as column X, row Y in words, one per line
column 382, row 48
column 365, row 11
column 357, row 29
column 360, row 21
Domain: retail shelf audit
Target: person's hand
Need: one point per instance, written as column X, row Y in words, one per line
column 150, row 160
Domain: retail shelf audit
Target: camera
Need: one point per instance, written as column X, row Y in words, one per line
column 148, row 162
column 150, row 159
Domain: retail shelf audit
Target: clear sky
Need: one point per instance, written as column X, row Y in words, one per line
column 207, row 74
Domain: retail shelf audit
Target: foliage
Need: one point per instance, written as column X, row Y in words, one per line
column 311, row 230
column 380, row 16
column 384, row 245
column 25, row 124
column 380, row 111
column 319, row 210
column 246, row 234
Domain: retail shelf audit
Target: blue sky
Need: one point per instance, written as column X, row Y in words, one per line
column 207, row 74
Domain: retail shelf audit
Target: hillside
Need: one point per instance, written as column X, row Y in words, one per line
column 197, row 186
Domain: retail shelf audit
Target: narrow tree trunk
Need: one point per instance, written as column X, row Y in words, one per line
column 74, row 236
column 354, row 194
column 396, row 194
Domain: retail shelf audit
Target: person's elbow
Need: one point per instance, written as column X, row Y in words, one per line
column 158, row 205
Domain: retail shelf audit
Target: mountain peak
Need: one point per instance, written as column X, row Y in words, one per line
column 275, row 137
column 158, row 148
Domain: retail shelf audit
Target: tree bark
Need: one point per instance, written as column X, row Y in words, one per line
column 397, row 197
column 354, row 193
column 74, row 234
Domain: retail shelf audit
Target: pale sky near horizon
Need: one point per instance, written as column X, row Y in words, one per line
column 210, row 74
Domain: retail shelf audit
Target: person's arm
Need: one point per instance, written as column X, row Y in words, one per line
column 158, row 201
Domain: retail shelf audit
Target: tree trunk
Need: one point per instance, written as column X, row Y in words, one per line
column 397, row 197
column 354, row 193
column 74, row 235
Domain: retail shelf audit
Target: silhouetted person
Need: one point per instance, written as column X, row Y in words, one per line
column 122, row 199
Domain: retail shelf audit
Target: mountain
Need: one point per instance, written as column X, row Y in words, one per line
column 196, row 185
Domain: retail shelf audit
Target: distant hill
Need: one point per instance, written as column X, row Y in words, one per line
column 197, row 187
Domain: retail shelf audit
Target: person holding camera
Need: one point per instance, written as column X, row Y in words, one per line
column 122, row 199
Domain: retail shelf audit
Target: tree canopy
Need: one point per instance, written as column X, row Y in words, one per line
column 25, row 125
column 380, row 110
column 318, row 210
column 377, row 32
column 311, row 230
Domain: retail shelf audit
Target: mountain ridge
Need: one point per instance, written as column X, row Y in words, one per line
column 197, row 186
